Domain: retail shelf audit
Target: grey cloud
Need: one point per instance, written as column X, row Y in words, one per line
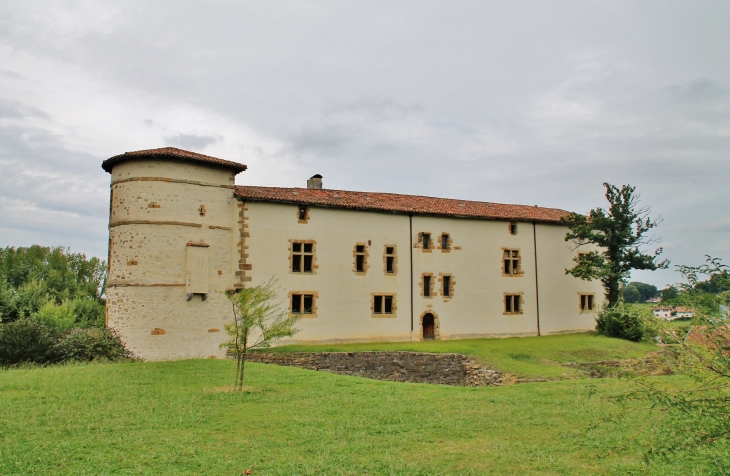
column 700, row 90
column 10, row 74
column 16, row 110
column 190, row 141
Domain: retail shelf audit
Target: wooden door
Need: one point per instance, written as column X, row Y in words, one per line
column 428, row 326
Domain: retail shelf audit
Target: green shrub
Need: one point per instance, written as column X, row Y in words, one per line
column 623, row 321
column 94, row 343
column 58, row 317
column 26, row 340
column 17, row 303
column 89, row 312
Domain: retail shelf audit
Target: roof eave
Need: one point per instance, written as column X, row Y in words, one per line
column 395, row 212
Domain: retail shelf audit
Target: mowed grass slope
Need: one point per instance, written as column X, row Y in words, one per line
column 165, row 418
column 522, row 356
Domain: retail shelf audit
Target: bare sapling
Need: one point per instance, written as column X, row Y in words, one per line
column 258, row 322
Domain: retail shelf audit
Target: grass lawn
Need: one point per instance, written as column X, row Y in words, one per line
column 165, row 418
column 521, row 356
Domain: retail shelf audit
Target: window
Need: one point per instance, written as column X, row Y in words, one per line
column 445, row 242
column 446, row 290
column 583, row 256
column 426, row 241
column 360, row 258
column 427, row 286
column 512, row 304
column 390, row 260
column 383, row 304
column 511, row 263
column 587, row 302
column 513, row 228
column 302, row 214
column 302, row 303
column 302, row 257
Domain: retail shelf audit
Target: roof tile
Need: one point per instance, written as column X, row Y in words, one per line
column 397, row 203
column 172, row 153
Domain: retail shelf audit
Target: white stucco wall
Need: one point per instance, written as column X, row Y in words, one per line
column 344, row 297
column 560, row 293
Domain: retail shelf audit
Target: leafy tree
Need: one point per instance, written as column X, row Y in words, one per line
column 66, row 275
column 258, row 322
column 619, row 232
column 695, row 418
column 639, row 292
column 717, row 284
column 32, row 277
column 669, row 293
column 631, row 294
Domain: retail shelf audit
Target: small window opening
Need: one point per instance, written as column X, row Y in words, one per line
column 302, row 213
column 388, row 301
column 360, row 258
column 512, row 303
column 427, row 286
column 302, row 257
column 390, row 259
column 445, row 241
column 426, row 241
column 447, row 286
column 382, row 304
column 513, row 228
column 302, row 303
column 511, row 262
column 586, row 302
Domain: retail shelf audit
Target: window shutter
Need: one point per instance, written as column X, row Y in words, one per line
column 196, row 280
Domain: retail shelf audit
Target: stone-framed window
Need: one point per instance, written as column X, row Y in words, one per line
column 383, row 305
column 390, row 260
column 303, row 303
column 445, row 242
column 587, row 301
column 427, row 285
column 360, row 254
column 425, row 242
column 302, row 214
column 513, row 303
column 446, row 284
column 512, row 227
column 511, row 263
column 302, row 257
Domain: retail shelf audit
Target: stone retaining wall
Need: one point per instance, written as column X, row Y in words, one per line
column 444, row 369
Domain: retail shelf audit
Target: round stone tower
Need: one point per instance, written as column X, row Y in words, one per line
column 174, row 231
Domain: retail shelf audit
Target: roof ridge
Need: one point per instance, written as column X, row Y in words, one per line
column 403, row 203
column 172, row 153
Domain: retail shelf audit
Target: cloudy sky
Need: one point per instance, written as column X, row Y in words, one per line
column 530, row 102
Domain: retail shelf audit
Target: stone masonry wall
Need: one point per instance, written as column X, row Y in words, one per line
column 444, row 369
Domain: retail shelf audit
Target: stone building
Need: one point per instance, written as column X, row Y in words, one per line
column 361, row 266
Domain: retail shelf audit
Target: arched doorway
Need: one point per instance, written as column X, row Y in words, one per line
column 428, row 327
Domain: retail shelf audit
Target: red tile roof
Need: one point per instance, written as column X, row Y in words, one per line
column 396, row 203
column 172, row 153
